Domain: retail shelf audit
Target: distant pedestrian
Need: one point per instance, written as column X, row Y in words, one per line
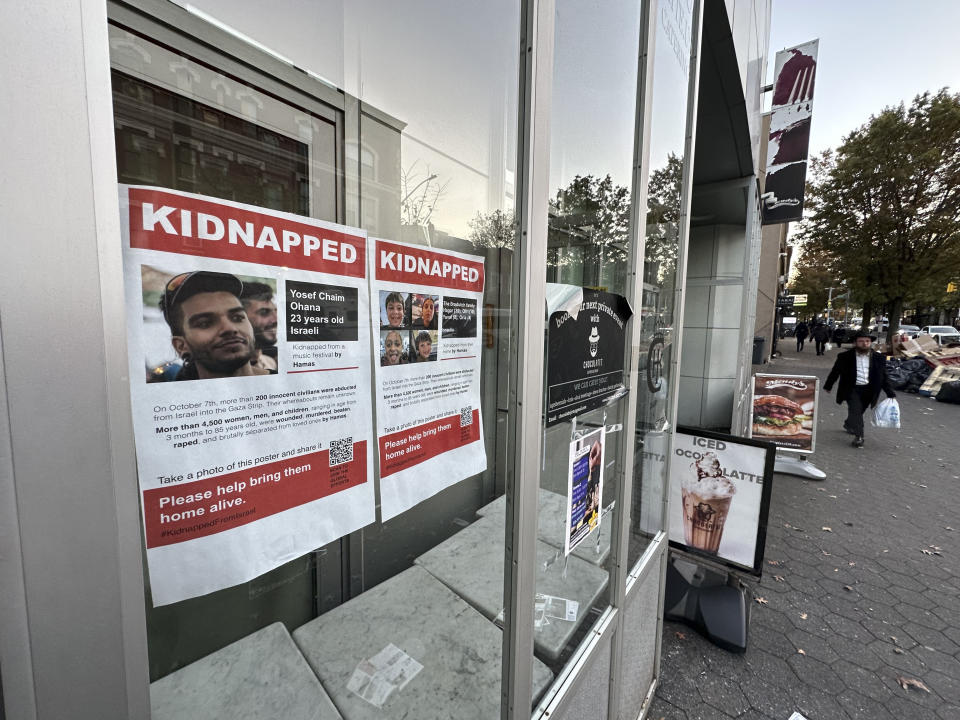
column 839, row 335
column 862, row 373
column 801, row 334
column 821, row 336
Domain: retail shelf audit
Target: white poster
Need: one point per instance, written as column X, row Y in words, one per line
column 425, row 306
column 249, row 379
column 584, row 488
column 720, row 496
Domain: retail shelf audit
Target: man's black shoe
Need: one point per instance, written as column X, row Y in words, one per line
column 857, row 442
column 847, row 429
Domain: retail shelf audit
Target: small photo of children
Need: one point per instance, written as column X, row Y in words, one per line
column 394, row 310
column 423, row 311
column 394, row 347
column 423, row 345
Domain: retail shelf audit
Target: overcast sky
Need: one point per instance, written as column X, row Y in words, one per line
column 872, row 54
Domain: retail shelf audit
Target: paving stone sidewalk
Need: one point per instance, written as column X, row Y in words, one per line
column 861, row 582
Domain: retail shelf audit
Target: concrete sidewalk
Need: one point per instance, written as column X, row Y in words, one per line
column 860, row 587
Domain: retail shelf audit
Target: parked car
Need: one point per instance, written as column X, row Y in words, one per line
column 943, row 334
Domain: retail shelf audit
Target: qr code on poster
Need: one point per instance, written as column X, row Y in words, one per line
column 341, row 451
column 466, row 416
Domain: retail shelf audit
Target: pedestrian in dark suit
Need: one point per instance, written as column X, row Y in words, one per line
column 862, row 373
column 801, row 334
column 821, row 336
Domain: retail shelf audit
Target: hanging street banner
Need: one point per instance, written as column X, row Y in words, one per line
column 249, row 380
column 784, row 411
column 424, row 312
column 720, row 497
column 788, row 143
column 585, row 354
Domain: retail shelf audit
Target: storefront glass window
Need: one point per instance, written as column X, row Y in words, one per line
column 658, row 329
column 420, row 152
column 591, row 170
column 181, row 125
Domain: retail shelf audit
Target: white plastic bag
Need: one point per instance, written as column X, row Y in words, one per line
column 828, row 346
column 887, row 414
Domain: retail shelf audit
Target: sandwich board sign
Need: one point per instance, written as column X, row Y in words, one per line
column 784, row 411
column 720, row 497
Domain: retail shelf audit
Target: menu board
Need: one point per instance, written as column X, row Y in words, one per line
column 784, row 411
column 720, row 496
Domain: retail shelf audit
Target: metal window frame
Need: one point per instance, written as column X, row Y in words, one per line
column 686, row 195
column 534, row 157
column 172, row 24
column 624, row 578
column 526, row 364
column 179, row 30
column 522, row 508
column 653, row 560
column 620, row 572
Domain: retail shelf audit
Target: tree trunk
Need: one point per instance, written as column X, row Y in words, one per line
column 893, row 325
column 867, row 315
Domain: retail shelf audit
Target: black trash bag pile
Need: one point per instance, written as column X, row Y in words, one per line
column 949, row 392
column 908, row 375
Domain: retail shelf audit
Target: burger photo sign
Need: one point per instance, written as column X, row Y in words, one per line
column 784, row 411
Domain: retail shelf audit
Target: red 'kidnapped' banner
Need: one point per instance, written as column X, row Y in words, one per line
column 186, row 225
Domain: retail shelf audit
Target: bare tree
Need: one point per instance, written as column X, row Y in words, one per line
column 420, row 195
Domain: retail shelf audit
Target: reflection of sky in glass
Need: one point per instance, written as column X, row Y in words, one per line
column 670, row 82
column 658, row 334
column 447, row 70
column 594, row 90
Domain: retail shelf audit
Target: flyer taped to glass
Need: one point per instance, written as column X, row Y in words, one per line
column 424, row 309
column 584, row 488
column 249, row 357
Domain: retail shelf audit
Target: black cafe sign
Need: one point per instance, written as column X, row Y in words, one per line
column 585, row 356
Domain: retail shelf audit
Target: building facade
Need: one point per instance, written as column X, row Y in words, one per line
column 608, row 149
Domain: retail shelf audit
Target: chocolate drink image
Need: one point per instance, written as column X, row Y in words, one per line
column 706, row 497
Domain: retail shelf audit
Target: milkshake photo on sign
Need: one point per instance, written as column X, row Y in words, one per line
column 706, row 496
column 720, row 494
